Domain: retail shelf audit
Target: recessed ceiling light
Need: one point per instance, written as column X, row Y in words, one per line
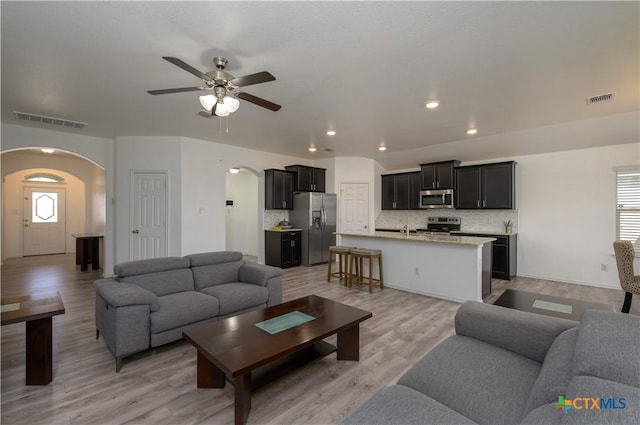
column 234, row 170
column 382, row 148
column 47, row 150
column 432, row 104
column 312, row 149
column 472, row 131
column 331, row 133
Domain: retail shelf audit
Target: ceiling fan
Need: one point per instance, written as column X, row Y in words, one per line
column 225, row 87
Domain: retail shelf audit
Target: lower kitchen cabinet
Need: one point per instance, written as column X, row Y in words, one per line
column 282, row 248
column 504, row 255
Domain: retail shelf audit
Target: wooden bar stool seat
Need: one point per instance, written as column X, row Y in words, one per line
column 357, row 265
column 343, row 262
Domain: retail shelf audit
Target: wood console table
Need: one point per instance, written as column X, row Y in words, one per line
column 37, row 311
column 88, row 250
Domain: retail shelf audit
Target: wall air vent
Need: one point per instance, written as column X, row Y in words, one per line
column 25, row 116
column 328, row 149
column 600, row 98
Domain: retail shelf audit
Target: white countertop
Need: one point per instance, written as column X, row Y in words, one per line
column 450, row 239
column 283, row 230
column 484, row 232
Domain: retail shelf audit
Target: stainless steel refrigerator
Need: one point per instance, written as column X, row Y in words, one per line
column 315, row 214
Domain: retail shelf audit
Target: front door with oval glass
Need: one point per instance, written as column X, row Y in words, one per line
column 44, row 224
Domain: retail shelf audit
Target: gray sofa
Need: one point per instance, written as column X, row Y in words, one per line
column 150, row 302
column 505, row 366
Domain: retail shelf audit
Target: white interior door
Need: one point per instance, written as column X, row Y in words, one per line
column 354, row 207
column 44, row 225
column 149, row 215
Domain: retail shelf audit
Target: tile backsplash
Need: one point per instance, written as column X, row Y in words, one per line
column 273, row 217
column 471, row 221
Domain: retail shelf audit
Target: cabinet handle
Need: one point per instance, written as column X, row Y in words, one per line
column 484, row 203
column 478, row 203
column 438, row 184
column 293, row 243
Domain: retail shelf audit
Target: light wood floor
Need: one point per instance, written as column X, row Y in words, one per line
column 159, row 386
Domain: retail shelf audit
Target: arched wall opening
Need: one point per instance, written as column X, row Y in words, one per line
column 85, row 188
column 243, row 221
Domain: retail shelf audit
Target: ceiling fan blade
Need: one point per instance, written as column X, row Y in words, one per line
column 259, row 101
column 181, row 64
column 257, row 78
column 205, row 114
column 178, row 90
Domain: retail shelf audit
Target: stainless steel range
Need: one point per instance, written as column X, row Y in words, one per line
column 440, row 225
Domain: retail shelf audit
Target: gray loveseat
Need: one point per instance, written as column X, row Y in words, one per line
column 150, row 302
column 510, row 367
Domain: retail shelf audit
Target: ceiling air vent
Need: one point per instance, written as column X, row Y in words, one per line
column 600, row 98
column 25, row 116
column 327, row 149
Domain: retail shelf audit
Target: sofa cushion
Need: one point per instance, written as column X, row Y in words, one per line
column 556, row 371
column 402, row 405
column 547, row 414
column 620, row 403
column 209, row 258
column 152, row 265
column 183, row 308
column 615, row 354
column 164, row 283
column 485, row 383
column 205, row 276
column 524, row 333
column 237, row 296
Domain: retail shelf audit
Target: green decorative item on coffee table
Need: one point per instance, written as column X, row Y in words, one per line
column 284, row 322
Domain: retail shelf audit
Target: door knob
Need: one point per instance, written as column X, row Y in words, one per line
column 135, row 231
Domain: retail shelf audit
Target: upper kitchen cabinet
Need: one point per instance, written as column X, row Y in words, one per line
column 438, row 175
column 278, row 189
column 487, row 186
column 395, row 191
column 308, row 179
column 415, row 185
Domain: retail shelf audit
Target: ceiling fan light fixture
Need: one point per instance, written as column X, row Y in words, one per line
column 208, row 101
column 432, row 104
column 232, row 103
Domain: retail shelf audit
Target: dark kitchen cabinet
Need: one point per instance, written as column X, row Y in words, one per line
column 415, row 185
column 504, row 255
column 282, row 248
column 278, row 190
column 308, row 179
column 487, row 186
column 438, row 175
column 395, row 191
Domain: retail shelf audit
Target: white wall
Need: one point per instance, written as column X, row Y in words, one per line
column 242, row 218
column 147, row 154
column 567, row 213
column 204, row 166
column 358, row 170
column 13, row 205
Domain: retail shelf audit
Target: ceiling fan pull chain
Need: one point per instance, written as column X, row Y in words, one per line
column 227, row 130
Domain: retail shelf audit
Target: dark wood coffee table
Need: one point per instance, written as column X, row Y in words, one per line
column 249, row 357
column 565, row 308
column 37, row 310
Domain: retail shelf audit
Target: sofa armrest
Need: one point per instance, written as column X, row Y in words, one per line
column 120, row 294
column 258, row 274
column 527, row 334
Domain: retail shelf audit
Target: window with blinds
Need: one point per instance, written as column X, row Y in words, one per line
column 628, row 207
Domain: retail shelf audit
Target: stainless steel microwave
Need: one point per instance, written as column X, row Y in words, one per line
column 436, row 198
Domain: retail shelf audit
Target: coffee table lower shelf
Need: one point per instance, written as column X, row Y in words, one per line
column 209, row 376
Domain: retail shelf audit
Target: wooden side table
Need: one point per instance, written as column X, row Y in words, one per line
column 88, row 250
column 37, row 311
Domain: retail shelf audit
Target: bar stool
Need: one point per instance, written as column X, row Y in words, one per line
column 357, row 258
column 343, row 262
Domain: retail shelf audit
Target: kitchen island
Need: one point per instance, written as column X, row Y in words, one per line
column 456, row 268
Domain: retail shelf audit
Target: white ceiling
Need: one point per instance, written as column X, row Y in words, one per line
column 362, row 68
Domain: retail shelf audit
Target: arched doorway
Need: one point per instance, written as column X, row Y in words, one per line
column 242, row 218
column 82, row 186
